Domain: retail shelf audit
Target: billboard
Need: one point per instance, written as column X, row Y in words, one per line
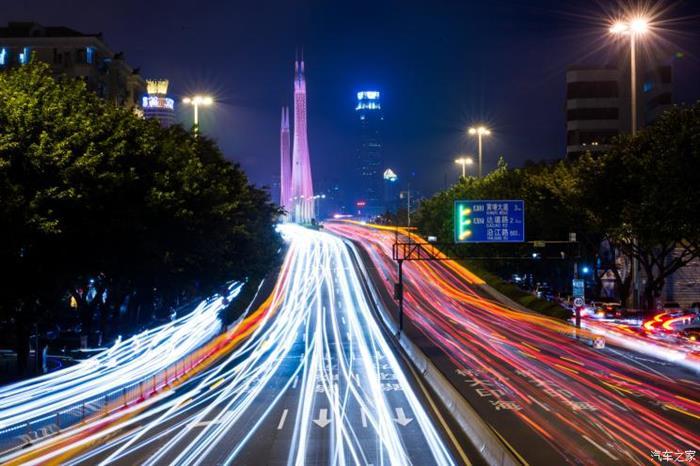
column 489, row 221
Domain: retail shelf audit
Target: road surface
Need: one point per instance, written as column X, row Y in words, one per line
column 317, row 382
column 553, row 399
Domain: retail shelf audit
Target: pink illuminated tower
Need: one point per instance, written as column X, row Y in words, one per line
column 285, row 164
column 302, row 185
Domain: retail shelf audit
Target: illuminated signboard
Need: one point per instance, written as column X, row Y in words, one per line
column 489, row 221
column 368, row 100
column 154, row 101
column 369, row 95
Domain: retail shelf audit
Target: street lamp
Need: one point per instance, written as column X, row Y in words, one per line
column 480, row 132
column 634, row 28
column 196, row 101
column 464, row 161
column 317, row 205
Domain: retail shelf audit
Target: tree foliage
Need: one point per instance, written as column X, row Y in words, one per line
column 640, row 197
column 93, row 196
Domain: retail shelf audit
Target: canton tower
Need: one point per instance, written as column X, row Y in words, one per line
column 302, row 194
column 285, row 164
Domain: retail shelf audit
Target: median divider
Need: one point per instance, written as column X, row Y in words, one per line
column 493, row 450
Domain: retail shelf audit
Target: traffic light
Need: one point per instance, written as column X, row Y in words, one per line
column 464, row 222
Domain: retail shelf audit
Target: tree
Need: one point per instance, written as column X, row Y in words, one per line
column 642, row 194
column 112, row 210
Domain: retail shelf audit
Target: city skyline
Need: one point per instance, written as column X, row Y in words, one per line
column 450, row 233
column 515, row 87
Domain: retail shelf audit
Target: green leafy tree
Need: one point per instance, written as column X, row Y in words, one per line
column 107, row 208
column 643, row 195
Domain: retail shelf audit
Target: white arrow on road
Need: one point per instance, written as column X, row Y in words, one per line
column 401, row 417
column 322, row 420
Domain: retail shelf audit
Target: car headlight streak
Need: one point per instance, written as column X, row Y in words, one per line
column 323, row 336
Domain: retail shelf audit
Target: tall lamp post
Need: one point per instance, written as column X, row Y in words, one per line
column 634, row 28
column 196, row 101
column 464, row 161
column 317, row 205
column 480, row 132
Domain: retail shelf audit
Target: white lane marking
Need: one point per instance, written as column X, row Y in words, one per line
column 282, row 419
column 296, row 381
column 322, row 420
column 542, row 405
column 401, row 417
column 364, row 418
column 613, row 457
column 647, row 367
column 617, row 405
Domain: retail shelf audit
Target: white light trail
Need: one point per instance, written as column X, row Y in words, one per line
column 322, row 339
column 128, row 362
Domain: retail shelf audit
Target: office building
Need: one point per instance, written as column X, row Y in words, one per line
column 598, row 105
column 370, row 156
column 73, row 54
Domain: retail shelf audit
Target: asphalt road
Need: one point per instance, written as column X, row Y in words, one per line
column 553, row 399
column 318, row 382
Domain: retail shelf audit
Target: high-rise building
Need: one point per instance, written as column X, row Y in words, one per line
column 74, row 54
column 285, row 163
column 302, row 184
column 598, row 104
column 370, row 156
column 157, row 105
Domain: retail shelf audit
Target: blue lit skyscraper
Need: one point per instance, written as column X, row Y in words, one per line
column 370, row 156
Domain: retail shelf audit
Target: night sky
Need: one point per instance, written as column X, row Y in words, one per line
column 440, row 66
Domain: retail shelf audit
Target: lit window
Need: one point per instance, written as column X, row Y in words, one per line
column 90, row 55
column 24, row 56
column 648, row 86
column 3, row 56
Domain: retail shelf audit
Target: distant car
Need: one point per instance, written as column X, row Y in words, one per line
column 544, row 292
column 610, row 311
column 673, row 308
column 691, row 333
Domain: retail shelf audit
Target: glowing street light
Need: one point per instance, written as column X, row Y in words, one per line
column 634, row 28
column 464, row 161
column 196, row 101
column 480, row 132
column 317, row 205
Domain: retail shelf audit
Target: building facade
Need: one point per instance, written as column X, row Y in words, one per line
column 598, row 103
column 370, row 154
column 157, row 105
column 73, row 54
